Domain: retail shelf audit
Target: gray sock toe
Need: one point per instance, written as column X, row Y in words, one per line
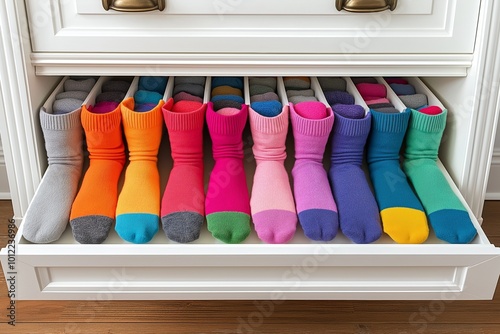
column 182, row 227
column 82, row 85
column 91, row 229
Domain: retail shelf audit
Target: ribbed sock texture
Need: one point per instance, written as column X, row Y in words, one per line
column 48, row 214
column 138, row 208
column 183, row 202
column 446, row 213
column 316, row 208
column 227, row 204
column 93, row 211
column 272, row 204
column 403, row 216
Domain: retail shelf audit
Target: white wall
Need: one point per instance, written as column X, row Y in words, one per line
column 493, row 191
column 4, row 184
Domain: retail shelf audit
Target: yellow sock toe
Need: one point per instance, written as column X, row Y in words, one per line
column 405, row 225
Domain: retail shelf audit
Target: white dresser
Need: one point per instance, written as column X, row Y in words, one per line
column 453, row 45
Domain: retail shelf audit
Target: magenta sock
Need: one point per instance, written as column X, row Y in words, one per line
column 104, row 107
column 431, row 110
column 316, row 207
column 370, row 90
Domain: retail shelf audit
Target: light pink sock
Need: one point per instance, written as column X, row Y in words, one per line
column 272, row 205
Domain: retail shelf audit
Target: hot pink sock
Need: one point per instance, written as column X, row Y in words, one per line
column 227, row 204
column 311, row 110
column 370, row 90
column 431, row 110
column 273, row 208
column 183, row 202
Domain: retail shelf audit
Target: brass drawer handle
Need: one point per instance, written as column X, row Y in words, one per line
column 365, row 6
column 134, row 5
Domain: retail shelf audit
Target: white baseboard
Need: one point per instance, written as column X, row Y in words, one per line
column 493, row 190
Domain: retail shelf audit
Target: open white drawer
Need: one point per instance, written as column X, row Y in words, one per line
column 208, row 269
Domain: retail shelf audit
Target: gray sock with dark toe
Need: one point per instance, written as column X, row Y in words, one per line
column 48, row 214
column 183, row 226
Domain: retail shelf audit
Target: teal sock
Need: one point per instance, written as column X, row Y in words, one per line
column 447, row 215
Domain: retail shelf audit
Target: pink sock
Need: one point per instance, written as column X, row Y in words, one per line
column 273, row 208
column 377, row 101
column 227, row 204
column 228, row 111
column 311, row 110
column 183, row 202
column 431, row 110
column 370, row 90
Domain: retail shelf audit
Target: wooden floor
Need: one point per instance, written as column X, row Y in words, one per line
column 155, row 317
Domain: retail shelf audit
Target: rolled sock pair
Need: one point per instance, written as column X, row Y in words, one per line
column 298, row 90
column 375, row 95
column 332, row 84
column 264, row 81
column 297, row 83
column 112, row 94
column 407, row 93
column 227, row 95
column 267, row 102
column 153, row 84
column 75, row 92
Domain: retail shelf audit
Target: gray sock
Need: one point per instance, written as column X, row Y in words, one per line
column 64, row 106
column 190, row 80
column 226, row 104
column 296, row 84
column 304, row 92
column 110, row 97
column 378, row 106
column 82, row 85
column 358, row 80
column 74, row 94
column 260, row 89
column 265, row 97
column 264, row 81
column 48, row 214
column 414, row 101
column 115, row 86
column 193, row 89
column 389, row 110
column 328, row 84
column 298, row 99
column 183, row 226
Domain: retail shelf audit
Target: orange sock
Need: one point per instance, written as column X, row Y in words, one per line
column 93, row 211
column 138, row 209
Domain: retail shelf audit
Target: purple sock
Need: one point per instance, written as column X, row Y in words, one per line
column 142, row 107
column 353, row 111
column 316, row 207
column 358, row 211
column 337, row 96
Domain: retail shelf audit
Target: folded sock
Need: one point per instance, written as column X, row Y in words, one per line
column 264, row 81
column 401, row 89
column 138, row 207
column 64, row 106
column 377, row 101
column 370, row 90
column 336, row 96
column 260, row 89
column 403, row 216
column 196, row 90
column 298, row 99
column 115, row 86
column 144, row 107
column 226, row 90
column 388, row 110
column 235, row 98
column 400, row 81
column 352, row 111
column 183, row 202
column 358, row 212
column 195, row 80
column 358, row 80
column 93, row 210
column 332, row 84
column 228, row 111
column 153, row 84
column 183, row 96
column 302, row 92
column 431, row 110
column 145, row 96
column 265, row 97
column 379, row 105
column 297, row 83
column 103, row 107
column 220, row 104
column 272, row 204
column 74, row 94
column 235, row 82
column 110, row 96
column 81, row 85
column 414, row 101
column 48, row 214
column 185, row 106
column 446, row 213
column 316, row 208
column 227, row 204
column 267, row 108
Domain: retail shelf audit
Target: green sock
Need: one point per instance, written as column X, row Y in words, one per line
column 447, row 215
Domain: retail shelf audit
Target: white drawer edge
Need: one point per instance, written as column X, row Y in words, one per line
column 252, row 64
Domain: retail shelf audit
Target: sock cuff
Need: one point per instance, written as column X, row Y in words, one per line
column 106, row 122
column 226, row 124
column 352, row 127
column 183, row 121
column 312, row 127
column 428, row 123
column 67, row 121
column 141, row 120
column 394, row 122
column 271, row 125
